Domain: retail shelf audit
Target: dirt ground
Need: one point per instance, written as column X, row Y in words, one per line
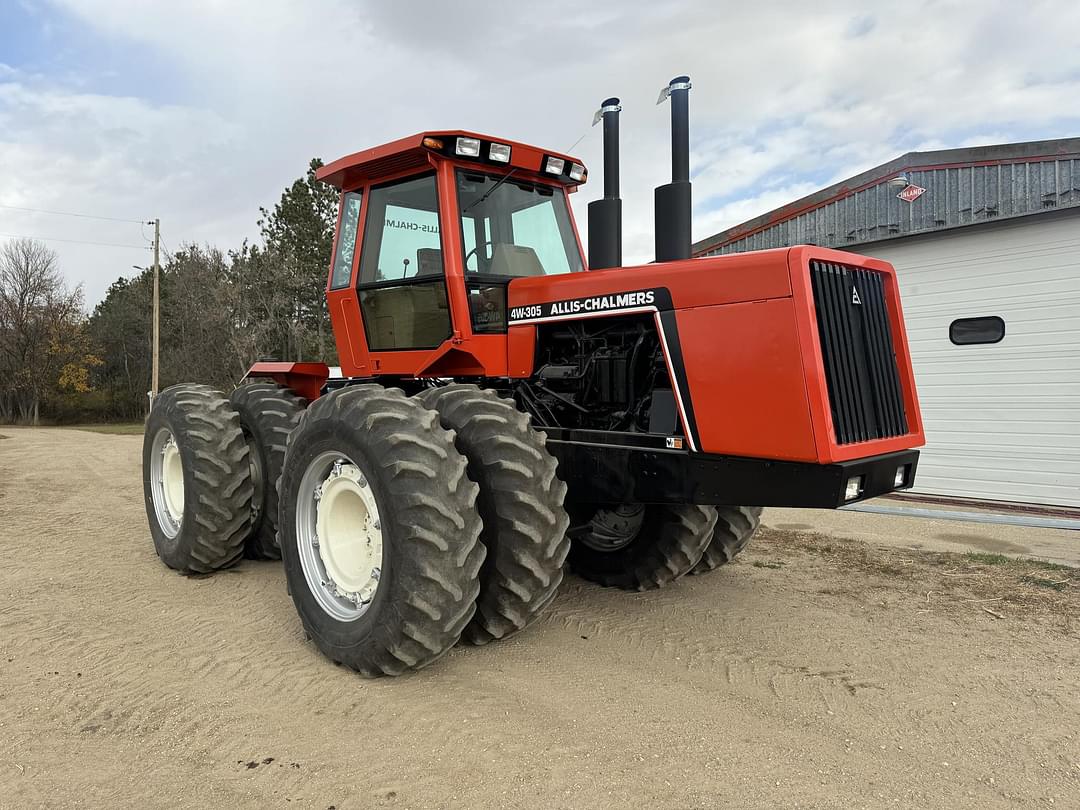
column 815, row 672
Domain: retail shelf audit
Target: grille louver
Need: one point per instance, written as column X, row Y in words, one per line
column 857, row 349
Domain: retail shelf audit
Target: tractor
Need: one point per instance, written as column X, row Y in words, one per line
column 505, row 410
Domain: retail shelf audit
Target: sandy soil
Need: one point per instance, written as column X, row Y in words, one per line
column 814, row 672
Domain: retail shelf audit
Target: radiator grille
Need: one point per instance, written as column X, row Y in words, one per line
column 857, row 349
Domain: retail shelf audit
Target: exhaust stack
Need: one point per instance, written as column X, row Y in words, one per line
column 605, row 216
column 672, row 201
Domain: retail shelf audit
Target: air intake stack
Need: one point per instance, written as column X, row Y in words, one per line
column 605, row 216
column 672, row 203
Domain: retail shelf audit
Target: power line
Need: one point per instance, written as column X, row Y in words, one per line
column 69, row 214
column 73, row 241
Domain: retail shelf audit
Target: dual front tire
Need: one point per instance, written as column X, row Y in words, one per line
column 464, row 524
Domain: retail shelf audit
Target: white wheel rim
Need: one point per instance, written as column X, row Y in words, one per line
column 167, row 482
column 339, row 536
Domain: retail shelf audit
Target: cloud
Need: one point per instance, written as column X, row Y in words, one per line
column 227, row 101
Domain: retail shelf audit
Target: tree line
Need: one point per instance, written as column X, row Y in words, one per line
column 220, row 312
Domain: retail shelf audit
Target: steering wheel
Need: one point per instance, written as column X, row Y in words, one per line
column 474, row 253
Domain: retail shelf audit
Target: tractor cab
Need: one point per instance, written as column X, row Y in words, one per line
column 431, row 231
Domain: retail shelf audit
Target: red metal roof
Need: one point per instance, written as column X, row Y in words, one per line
column 409, row 152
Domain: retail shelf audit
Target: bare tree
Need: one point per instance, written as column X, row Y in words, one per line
column 40, row 319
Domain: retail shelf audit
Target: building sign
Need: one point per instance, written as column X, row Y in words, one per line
column 911, row 192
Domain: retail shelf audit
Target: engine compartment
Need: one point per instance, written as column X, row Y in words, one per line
column 601, row 374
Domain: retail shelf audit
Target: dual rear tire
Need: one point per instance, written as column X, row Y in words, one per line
column 642, row 547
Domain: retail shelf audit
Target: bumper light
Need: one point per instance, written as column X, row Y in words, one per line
column 554, row 165
column 467, row 147
column 577, row 172
column 499, row 152
column 854, row 488
column 901, row 476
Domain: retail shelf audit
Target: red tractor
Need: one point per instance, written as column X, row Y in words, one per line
column 503, row 410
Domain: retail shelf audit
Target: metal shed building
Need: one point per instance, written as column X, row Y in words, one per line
column 986, row 244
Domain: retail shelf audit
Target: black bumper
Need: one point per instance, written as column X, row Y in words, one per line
column 597, row 471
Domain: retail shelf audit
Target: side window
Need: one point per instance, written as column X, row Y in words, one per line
column 401, row 237
column 346, row 244
column 970, row 331
column 402, row 286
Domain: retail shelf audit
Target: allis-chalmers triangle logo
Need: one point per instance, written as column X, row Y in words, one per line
column 855, row 296
column 911, row 192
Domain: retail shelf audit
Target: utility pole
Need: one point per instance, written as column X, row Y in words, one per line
column 157, row 309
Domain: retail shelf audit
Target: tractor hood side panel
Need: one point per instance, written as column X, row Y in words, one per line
column 740, row 338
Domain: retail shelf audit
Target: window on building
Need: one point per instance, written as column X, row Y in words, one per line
column 971, row 331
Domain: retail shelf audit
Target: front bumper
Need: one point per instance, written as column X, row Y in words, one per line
column 600, row 468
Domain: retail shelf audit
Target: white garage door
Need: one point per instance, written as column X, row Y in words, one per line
column 1002, row 419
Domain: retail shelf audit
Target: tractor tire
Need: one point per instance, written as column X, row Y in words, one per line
column 380, row 535
column 268, row 414
column 196, row 479
column 735, row 525
column 520, row 503
column 644, row 549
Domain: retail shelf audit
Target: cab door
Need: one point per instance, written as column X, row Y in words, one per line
column 402, row 281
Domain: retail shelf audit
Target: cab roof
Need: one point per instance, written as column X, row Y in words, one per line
column 412, row 153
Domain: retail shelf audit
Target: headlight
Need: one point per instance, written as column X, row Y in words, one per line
column 499, row 152
column 577, row 171
column 467, row 147
column 854, row 488
column 554, row 165
column 901, row 476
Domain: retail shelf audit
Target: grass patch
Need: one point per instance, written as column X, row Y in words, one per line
column 760, row 564
column 1041, row 582
column 122, row 429
column 1025, row 562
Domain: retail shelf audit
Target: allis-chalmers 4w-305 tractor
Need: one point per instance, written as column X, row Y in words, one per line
column 502, row 410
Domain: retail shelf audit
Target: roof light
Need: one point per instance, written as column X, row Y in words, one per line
column 432, row 143
column 577, row 172
column 554, row 165
column 467, row 147
column 499, row 152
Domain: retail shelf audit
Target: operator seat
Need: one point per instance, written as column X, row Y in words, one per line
column 517, row 261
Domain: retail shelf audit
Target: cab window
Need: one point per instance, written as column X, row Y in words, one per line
column 402, row 287
column 510, row 228
column 514, row 228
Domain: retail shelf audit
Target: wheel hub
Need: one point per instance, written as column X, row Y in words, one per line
column 167, row 482
column 172, row 479
column 613, row 529
column 340, row 539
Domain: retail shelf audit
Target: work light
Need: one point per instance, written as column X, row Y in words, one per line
column 467, row 147
column 577, row 172
column 554, row 165
column 499, row 152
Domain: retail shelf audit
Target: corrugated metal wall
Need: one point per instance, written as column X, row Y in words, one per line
column 957, row 196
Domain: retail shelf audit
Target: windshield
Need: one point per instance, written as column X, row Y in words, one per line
column 513, row 227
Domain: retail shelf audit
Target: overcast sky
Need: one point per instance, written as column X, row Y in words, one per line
column 200, row 111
